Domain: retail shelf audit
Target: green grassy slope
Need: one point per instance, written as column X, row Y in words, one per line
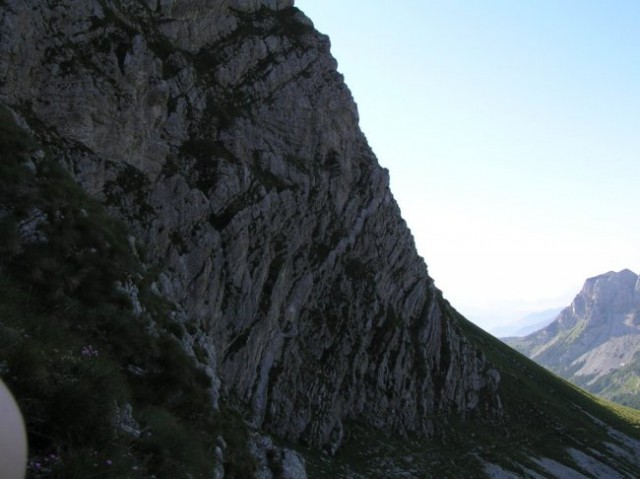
column 106, row 392
column 582, row 347
column 77, row 356
column 545, row 418
column 528, row 386
column 621, row 385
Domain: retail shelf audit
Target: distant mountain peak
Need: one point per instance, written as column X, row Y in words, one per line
column 608, row 293
column 622, row 275
column 596, row 335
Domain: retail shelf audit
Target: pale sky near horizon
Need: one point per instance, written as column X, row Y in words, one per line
column 511, row 130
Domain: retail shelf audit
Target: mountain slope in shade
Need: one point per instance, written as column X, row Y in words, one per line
column 595, row 342
column 203, row 251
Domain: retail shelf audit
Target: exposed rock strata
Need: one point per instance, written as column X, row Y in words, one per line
column 596, row 335
column 222, row 132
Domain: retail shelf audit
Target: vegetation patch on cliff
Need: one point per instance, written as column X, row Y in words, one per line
column 107, row 389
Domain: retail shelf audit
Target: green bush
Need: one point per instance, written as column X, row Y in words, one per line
column 238, row 461
column 71, row 348
column 174, row 446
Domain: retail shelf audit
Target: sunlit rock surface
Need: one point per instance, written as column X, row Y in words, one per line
column 595, row 341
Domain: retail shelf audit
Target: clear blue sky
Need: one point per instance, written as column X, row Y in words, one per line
column 511, row 130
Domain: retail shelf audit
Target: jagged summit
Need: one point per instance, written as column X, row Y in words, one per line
column 604, row 286
column 598, row 334
column 624, row 272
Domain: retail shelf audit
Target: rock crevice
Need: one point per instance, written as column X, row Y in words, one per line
column 223, row 134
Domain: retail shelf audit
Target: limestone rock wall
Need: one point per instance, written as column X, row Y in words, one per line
column 223, row 133
column 598, row 333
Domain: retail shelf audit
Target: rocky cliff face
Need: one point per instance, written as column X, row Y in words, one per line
column 223, row 134
column 595, row 336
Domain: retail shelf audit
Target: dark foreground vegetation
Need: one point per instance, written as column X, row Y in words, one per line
column 106, row 388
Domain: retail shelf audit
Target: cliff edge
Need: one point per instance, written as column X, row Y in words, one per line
column 253, row 280
column 223, row 134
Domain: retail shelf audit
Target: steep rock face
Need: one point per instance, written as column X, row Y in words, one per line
column 599, row 333
column 222, row 132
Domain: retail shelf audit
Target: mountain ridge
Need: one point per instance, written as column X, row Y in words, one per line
column 230, row 146
column 596, row 335
column 259, row 263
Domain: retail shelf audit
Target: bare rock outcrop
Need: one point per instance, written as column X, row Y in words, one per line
column 223, row 134
column 597, row 335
